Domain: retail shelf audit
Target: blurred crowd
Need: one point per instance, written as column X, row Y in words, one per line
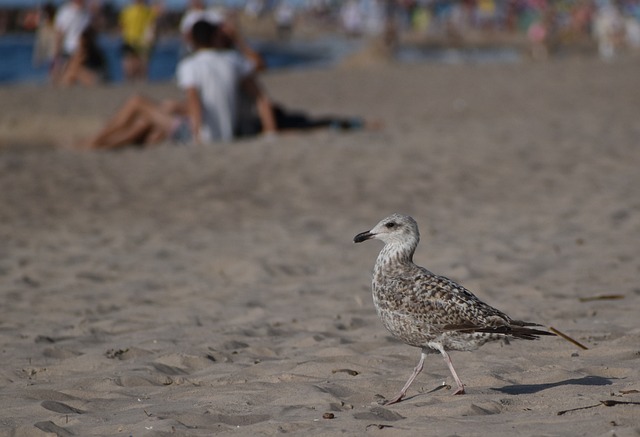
column 67, row 32
column 612, row 25
column 66, row 40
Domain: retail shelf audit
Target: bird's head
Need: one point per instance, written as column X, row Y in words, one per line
column 396, row 229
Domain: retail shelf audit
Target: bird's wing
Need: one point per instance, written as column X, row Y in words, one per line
column 462, row 311
column 443, row 304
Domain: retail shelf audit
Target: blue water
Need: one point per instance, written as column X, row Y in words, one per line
column 16, row 57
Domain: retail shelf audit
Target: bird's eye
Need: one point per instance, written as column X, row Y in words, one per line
column 390, row 225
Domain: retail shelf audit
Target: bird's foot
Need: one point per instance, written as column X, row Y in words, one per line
column 459, row 391
column 394, row 400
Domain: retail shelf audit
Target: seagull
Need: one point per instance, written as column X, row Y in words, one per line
column 429, row 311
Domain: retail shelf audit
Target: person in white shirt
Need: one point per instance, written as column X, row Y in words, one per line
column 70, row 21
column 211, row 79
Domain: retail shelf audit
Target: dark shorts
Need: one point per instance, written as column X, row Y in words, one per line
column 131, row 50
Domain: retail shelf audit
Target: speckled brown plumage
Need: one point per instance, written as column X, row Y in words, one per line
column 429, row 311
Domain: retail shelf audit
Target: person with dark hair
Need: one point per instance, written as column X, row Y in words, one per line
column 196, row 11
column 87, row 66
column 205, row 34
column 212, row 77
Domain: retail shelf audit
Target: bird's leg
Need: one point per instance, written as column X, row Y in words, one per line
column 460, row 390
column 415, row 373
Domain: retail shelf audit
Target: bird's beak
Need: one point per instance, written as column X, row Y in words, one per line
column 363, row 236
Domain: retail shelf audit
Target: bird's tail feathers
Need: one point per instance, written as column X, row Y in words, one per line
column 513, row 330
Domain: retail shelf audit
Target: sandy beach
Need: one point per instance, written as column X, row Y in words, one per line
column 217, row 291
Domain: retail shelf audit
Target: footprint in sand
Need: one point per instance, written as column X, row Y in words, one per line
column 60, row 407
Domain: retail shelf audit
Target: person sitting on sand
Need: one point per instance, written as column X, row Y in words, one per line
column 210, row 79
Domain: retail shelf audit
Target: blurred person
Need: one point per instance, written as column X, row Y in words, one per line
column 4, row 21
column 87, row 66
column 255, row 112
column 196, row 11
column 632, row 32
column 29, row 19
column 254, row 8
column 142, row 121
column 137, row 24
column 581, row 19
column 229, row 37
column 70, row 21
column 420, row 20
column 288, row 121
column 351, row 18
column 210, row 78
column 486, row 11
column 609, row 30
column 538, row 37
column 284, row 16
column 44, row 50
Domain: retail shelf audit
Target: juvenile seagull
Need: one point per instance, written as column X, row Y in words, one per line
column 429, row 311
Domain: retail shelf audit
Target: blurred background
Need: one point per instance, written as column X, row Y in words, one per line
column 312, row 33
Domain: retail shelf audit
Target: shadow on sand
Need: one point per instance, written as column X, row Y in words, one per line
column 534, row 388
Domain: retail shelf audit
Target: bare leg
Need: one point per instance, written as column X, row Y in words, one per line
column 155, row 136
column 415, row 373
column 80, row 75
column 176, row 107
column 87, row 77
column 127, row 135
column 460, row 390
column 265, row 112
column 263, row 105
column 138, row 115
column 131, row 66
column 127, row 112
column 125, row 116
